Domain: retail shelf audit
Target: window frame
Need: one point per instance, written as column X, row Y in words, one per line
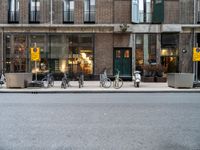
column 70, row 19
column 91, row 13
column 13, row 18
column 36, row 12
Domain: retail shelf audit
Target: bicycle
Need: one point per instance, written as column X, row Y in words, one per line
column 80, row 80
column 65, row 81
column 2, row 79
column 104, row 80
column 118, row 82
column 48, row 80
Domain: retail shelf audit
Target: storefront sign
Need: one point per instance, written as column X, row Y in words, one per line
column 196, row 54
column 35, row 54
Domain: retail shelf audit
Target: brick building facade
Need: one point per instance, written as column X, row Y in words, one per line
column 85, row 35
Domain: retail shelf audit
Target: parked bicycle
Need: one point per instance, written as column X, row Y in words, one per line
column 2, row 79
column 48, row 80
column 118, row 82
column 104, row 80
column 80, row 80
column 65, row 81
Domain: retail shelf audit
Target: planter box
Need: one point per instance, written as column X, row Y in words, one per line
column 160, row 79
column 18, row 80
column 148, row 79
column 180, row 80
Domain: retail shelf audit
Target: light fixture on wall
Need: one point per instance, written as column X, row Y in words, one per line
column 184, row 50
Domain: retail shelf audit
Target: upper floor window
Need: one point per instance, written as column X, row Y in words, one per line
column 13, row 11
column 89, row 11
column 147, row 11
column 68, row 11
column 34, row 11
column 198, row 11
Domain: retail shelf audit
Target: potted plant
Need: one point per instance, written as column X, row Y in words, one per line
column 160, row 73
column 148, row 73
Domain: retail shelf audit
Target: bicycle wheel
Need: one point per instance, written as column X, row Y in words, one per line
column 106, row 83
column 117, row 84
column 63, row 84
column 45, row 83
column 51, row 82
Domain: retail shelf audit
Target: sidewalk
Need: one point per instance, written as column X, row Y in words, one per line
column 93, row 87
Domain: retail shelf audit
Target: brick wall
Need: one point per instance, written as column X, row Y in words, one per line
column 3, row 11
column 78, row 14
column 44, row 11
column 122, row 11
column 103, row 53
column 185, row 59
column 57, row 12
column 104, row 11
column 171, row 12
column 121, row 40
column 186, row 11
column 23, row 11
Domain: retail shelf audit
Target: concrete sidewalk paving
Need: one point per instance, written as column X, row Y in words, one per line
column 94, row 87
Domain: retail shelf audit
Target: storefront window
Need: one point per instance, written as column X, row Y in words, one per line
column 42, row 65
column 59, row 53
column 16, row 53
column 169, row 51
column 145, row 50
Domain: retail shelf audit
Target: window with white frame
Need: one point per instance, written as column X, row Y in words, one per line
column 68, row 11
column 89, row 11
column 13, row 11
column 34, row 11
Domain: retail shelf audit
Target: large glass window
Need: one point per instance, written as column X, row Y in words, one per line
column 34, row 11
column 198, row 11
column 16, row 54
column 13, row 11
column 145, row 52
column 169, row 51
column 71, row 53
column 68, row 16
column 89, row 11
column 142, row 11
column 147, row 11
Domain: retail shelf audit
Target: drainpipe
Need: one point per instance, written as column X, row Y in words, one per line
column 51, row 22
column 2, row 48
column 195, row 64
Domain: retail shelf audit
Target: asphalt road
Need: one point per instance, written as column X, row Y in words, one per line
column 166, row 121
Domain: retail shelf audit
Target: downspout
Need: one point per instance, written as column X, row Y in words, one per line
column 2, row 49
column 195, row 64
column 51, row 5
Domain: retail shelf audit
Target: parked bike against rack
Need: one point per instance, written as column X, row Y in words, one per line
column 80, row 80
column 48, row 80
column 104, row 80
column 2, row 79
column 65, row 81
column 118, row 82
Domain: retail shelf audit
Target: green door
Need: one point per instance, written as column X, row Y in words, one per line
column 122, row 61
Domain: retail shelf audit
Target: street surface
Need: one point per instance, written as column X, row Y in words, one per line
column 137, row 121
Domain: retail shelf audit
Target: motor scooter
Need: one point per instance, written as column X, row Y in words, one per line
column 136, row 78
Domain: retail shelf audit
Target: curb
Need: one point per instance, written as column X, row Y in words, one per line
column 96, row 91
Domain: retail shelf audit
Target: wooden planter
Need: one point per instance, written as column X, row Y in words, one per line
column 160, row 79
column 148, row 79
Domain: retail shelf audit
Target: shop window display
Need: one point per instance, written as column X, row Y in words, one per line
column 71, row 53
